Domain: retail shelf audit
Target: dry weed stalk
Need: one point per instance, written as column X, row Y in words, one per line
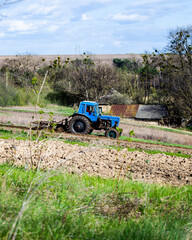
column 41, row 88
column 189, row 232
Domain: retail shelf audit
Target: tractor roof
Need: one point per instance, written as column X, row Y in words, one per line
column 89, row 102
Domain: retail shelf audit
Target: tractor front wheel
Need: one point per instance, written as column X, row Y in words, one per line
column 112, row 133
column 79, row 125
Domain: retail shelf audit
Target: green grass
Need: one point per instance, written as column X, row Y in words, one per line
column 187, row 129
column 15, row 110
column 56, row 205
column 149, row 151
column 178, row 154
column 22, row 135
column 65, row 111
column 154, row 142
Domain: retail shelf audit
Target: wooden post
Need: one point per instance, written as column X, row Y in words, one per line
column 7, row 78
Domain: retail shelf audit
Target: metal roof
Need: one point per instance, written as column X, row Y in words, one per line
column 151, row 112
column 128, row 111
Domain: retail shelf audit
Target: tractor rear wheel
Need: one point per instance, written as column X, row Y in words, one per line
column 79, row 125
column 112, row 133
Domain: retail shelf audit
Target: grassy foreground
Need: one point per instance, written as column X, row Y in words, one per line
column 57, row 205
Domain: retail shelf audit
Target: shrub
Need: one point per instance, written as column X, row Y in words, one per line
column 64, row 98
column 12, row 96
column 9, row 96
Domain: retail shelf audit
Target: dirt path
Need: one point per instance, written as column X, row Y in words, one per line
column 94, row 160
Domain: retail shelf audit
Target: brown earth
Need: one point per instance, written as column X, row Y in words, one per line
column 98, row 161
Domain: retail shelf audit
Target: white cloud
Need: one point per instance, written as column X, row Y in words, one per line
column 84, row 17
column 117, row 43
column 130, row 17
column 144, row 2
column 95, row 1
column 20, row 26
column 53, row 28
column 42, row 10
column 2, row 34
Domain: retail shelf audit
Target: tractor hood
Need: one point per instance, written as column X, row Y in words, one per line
column 114, row 120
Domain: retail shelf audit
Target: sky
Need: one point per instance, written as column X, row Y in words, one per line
column 57, row 27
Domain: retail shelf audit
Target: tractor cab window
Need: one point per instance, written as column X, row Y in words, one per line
column 100, row 110
column 90, row 109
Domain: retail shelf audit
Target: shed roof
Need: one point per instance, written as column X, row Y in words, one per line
column 151, row 112
column 128, row 111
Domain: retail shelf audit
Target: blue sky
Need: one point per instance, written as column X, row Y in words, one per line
column 91, row 26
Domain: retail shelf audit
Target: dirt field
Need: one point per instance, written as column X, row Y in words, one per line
column 107, row 163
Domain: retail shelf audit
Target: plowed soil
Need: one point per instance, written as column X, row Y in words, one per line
column 98, row 161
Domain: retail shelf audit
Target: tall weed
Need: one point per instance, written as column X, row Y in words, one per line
column 9, row 96
column 12, row 96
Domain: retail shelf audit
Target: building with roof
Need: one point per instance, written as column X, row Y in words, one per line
column 151, row 112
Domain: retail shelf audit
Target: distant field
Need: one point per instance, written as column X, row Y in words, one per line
column 103, row 58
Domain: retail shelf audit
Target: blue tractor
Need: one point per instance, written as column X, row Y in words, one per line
column 89, row 118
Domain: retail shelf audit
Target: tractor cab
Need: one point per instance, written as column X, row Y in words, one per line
column 89, row 109
column 94, row 113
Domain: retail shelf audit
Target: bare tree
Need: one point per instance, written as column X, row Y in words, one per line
column 4, row 3
column 9, row 2
column 175, row 71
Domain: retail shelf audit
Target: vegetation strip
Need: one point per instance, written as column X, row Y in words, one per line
column 64, row 111
column 68, row 206
column 153, row 151
column 6, row 134
column 80, row 143
column 15, row 110
column 154, row 142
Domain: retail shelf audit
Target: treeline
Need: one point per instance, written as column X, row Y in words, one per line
column 161, row 78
